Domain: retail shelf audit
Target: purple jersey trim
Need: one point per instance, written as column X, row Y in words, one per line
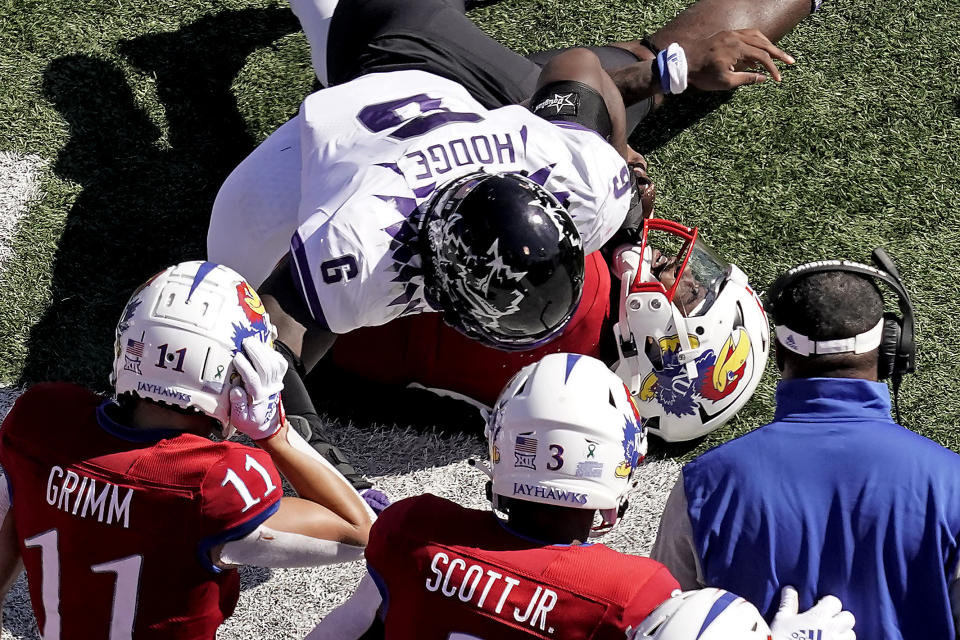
column 234, row 533
column 130, row 434
column 564, row 124
column 300, row 268
column 382, row 588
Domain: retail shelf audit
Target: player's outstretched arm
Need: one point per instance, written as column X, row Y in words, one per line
column 714, row 63
column 329, row 522
column 582, row 65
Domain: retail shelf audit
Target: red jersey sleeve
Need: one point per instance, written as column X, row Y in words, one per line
column 239, row 492
column 654, row 584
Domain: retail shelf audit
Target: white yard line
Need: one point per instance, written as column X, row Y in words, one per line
column 19, row 184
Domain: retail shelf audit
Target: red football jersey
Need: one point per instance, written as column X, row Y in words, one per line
column 422, row 348
column 115, row 524
column 450, row 573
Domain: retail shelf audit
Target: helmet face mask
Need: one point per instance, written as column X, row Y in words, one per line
column 693, row 338
column 565, row 432
column 179, row 333
column 502, row 259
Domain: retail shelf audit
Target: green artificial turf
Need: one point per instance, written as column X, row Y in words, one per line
column 142, row 109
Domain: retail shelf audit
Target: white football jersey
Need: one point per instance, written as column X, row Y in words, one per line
column 374, row 149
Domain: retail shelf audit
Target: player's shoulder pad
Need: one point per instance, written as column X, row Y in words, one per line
column 59, row 393
column 425, row 504
column 403, row 524
column 413, row 514
column 239, row 482
column 46, row 400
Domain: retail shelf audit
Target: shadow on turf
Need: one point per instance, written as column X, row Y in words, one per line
column 146, row 196
column 367, row 405
column 145, row 201
column 352, row 399
column 679, row 113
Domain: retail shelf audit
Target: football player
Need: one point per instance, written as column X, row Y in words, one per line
column 689, row 291
column 415, row 183
column 129, row 519
column 564, row 441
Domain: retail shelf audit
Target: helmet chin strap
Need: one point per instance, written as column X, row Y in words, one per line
column 688, row 354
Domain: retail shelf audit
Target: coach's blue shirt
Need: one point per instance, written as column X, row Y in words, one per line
column 833, row 497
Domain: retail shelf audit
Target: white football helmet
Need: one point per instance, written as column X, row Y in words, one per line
column 704, row 614
column 179, row 333
column 566, row 432
column 693, row 350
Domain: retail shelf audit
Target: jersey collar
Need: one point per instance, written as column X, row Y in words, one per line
column 129, row 434
column 816, row 399
column 516, row 534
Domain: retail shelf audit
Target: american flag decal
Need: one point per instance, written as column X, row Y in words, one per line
column 135, row 348
column 526, row 445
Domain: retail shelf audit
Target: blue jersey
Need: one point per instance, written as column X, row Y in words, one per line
column 833, row 497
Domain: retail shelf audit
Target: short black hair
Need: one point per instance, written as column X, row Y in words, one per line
column 830, row 305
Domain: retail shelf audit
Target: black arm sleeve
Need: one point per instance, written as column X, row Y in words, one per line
column 572, row 101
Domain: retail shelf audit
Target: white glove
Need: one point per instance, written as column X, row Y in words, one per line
column 255, row 407
column 826, row 620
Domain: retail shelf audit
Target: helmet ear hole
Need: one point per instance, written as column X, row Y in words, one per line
column 613, row 401
column 521, row 388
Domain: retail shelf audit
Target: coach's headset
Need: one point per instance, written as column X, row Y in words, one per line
column 897, row 353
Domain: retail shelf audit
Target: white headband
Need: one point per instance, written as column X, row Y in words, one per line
column 801, row 344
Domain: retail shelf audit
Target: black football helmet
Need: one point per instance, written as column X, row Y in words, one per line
column 502, row 259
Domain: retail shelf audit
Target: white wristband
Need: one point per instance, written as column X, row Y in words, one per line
column 672, row 63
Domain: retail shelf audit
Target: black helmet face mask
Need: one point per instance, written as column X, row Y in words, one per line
column 503, row 260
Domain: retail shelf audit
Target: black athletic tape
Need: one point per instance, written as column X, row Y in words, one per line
column 571, row 101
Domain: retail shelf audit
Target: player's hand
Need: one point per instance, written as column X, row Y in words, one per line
column 826, row 620
column 255, row 408
column 718, row 63
column 642, row 198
